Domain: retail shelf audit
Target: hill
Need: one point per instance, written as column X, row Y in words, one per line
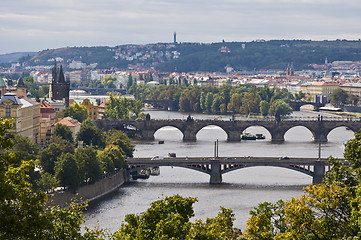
column 13, row 57
column 191, row 57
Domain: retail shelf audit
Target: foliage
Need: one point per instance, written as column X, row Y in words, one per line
column 62, row 131
column 67, row 171
column 338, row 97
column 47, row 182
column 169, row 218
column 120, row 107
column 76, row 111
column 24, row 148
column 50, row 154
column 23, row 214
column 280, row 108
column 330, row 210
column 91, row 135
column 112, row 158
column 89, row 168
column 120, row 139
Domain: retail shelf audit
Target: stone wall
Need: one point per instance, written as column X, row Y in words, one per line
column 90, row 192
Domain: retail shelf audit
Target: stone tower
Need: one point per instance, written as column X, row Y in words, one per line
column 59, row 87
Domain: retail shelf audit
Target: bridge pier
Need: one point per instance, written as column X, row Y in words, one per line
column 318, row 172
column 216, row 176
column 319, row 137
column 147, row 134
column 234, row 136
column 189, row 136
column 277, row 137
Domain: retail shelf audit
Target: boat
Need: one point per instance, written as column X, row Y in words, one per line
column 172, row 154
column 260, row 136
column 143, row 174
column 154, row 171
column 160, row 142
column 248, row 136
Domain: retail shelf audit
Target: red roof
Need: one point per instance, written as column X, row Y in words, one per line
column 68, row 121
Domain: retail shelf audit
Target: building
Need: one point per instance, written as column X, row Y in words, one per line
column 47, row 119
column 25, row 113
column 320, row 88
column 73, row 124
column 91, row 106
column 59, row 87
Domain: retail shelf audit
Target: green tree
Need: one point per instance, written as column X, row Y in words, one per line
column 216, row 104
column 235, row 103
column 280, row 108
column 89, row 168
column 118, row 107
column 129, row 82
column 250, row 103
column 76, row 111
column 209, row 102
column 49, row 156
column 338, row 97
column 67, row 172
column 264, row 107
column 111, row 158
column 202, row 101
column 120, row 139
column 23, row 214
column 62, row 131
column 47, row 182
column 24, row 148
column 91, row 136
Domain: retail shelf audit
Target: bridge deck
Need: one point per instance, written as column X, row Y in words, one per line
column 224, row 160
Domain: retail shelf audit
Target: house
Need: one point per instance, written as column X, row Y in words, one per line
column 25, row 114
column 73, row 124
column 47, row 120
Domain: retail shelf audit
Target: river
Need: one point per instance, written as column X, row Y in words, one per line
column 240, row 190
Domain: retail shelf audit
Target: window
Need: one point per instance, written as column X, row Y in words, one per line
column 8, row 111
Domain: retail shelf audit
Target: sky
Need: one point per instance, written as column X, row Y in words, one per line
column 35, row 25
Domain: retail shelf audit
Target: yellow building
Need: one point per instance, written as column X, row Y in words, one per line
column 320, row 88
column 26, row 115
column 92, row 108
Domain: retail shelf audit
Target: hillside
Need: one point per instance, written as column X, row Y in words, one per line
column 13, row 57
column 191, row 57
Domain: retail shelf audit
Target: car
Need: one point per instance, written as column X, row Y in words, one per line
column 284, row 158
column 157, row 158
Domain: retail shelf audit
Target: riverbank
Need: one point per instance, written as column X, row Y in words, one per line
column 90, row 192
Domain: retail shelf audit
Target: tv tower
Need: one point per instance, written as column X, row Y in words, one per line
column 175, row 37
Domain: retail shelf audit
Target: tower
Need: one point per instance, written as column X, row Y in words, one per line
column 175, row 38
column 59, row 87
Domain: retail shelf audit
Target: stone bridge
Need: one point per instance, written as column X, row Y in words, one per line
column 296, row 105
column 319, row 127
column 216, row 167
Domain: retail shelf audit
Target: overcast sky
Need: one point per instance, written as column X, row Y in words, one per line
column 34, row 25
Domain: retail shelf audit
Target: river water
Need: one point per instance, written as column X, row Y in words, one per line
column 241, row 190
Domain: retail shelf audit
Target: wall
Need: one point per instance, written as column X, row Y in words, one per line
column 92, row 191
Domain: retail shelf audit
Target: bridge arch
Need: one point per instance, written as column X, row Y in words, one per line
column 293, row 133
column 168, row 133
column 340, row 133
column 217, row 132
column 300, row 169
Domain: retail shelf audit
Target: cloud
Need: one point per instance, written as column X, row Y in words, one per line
column 38, row 24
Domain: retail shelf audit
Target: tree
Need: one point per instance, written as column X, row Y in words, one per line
column 23, row 214
column 280, row 108
column 91, row 136
column 118, row 107
column 250, row 103
column 49, row 156
column 216, row 104
column 89, row 168
column 67, row 172
column 330, row 210
column 47, row 182
column 209, row 102
column 24, row 148
column 76, row 111
column 120, row 139
column 111, row 158
column 129, row 82
column 235, row 103
column 169, row 218
column 264, row 107
column 62, row 131
column 338, row 97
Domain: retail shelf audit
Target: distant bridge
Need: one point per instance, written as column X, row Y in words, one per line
column 319, row 127
column 100, row 91
column 216, row 167
column 296, row 105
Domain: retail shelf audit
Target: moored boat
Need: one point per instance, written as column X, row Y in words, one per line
column 260, row 136
column 248, row 136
